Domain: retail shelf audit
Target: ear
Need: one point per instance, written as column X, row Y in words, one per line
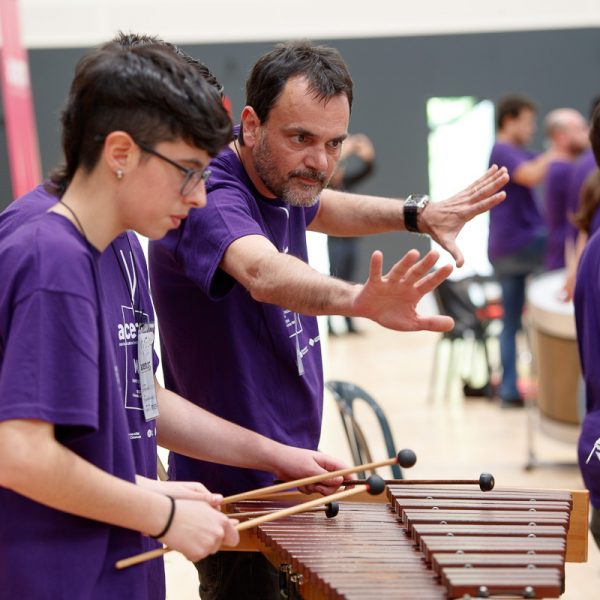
column 120, row 152
column 250, row 124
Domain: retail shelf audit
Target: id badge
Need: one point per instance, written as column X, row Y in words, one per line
column 146, row 370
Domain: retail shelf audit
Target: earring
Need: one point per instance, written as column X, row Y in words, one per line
column 119, row 173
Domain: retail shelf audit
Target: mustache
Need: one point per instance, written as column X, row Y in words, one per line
column 309, row 174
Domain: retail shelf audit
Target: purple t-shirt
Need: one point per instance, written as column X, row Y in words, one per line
column 556, row 197
column 256, row 364
column 587, row 317
column 57, row 365
column 124, row 277
column 582, row 168
column 595, row 224
column 515, row 222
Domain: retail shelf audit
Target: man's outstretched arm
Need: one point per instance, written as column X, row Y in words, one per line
column 346, row 214
column 391, row 299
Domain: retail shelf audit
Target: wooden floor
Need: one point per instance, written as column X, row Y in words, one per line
column 453, row 437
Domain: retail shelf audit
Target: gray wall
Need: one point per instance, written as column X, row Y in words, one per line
column 394, row 78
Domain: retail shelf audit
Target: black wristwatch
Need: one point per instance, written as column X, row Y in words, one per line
column 413, row 207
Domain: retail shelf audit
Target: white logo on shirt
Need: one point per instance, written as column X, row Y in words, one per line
column 595, row 450
column 127, row 331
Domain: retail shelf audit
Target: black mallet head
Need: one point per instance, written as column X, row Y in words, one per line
column 332, row 510
column 486, row 482
column 375, row 485
column 406, row 458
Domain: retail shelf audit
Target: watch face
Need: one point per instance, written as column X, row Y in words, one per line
column 420, row 200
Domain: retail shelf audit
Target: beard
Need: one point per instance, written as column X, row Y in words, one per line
column 577, row 147
column 289, row 187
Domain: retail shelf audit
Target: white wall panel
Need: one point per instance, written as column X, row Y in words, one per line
column 67, row 23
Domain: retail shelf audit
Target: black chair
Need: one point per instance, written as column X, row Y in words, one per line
column 345, row 394
column 472, row 322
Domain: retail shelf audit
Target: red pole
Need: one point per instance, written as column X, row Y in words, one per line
column 21, row 133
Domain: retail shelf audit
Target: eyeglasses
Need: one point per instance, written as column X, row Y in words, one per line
column 192, row 176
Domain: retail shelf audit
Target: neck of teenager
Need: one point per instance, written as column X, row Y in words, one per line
column 90, row 204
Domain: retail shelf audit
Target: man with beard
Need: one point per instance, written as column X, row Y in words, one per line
column 236, row 300
column 567, row 133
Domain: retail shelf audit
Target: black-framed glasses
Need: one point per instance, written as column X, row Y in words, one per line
column 192, row 176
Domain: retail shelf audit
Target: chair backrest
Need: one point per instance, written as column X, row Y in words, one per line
column 453, row 300
column 345, row 393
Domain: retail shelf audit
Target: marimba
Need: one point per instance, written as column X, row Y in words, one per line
column 427, row 543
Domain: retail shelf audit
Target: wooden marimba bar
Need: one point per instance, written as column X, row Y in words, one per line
column 428, row 543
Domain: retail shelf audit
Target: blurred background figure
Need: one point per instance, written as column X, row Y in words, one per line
column 566, row 132
column 588, row 332
column 357, row 162
column 586, row 221
column 583, row 167
column 517, row 233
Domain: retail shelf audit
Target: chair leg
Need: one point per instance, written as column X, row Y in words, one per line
column 453, row 359
column 434, row 371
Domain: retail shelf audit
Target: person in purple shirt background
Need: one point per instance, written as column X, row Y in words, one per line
column 179, row 425
column 587, row 318
column 69, row 502
column 576, row 239
column 236, row 300
column 585, row 222
column 517, row 233
column 567, row 132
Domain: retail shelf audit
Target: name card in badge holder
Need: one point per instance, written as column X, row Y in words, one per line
column 146, row 370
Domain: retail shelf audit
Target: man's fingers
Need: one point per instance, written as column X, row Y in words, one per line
column 484, row 205
column 399, row 270
column 431, row 281
column 483, row 180
column 438, row 323
column 493, row 173
column 422, row 267
column 490, row 182
column 457, row 255
column 376, row 266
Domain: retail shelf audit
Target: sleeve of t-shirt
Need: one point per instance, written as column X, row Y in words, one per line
column 50, row 364
column 311, row 212
column 209, row 231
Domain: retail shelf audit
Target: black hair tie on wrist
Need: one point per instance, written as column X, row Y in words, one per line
column 169, row 520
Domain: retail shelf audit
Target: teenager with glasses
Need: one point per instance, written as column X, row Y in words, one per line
column 69, row 503
column 192, row 177
column 127, row 306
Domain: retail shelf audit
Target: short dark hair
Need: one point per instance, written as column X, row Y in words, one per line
column 133, row 40
column 512, row 106
column 322, row 66
column 145, row 89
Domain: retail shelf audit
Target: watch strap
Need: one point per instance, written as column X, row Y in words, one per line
column 410, row 215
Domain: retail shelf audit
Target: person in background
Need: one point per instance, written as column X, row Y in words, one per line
column 587, row 319
column 517, row 234
column 567, row 133
column 236, row 300
column 357, row 162
column 586, row 221
column 582, row 169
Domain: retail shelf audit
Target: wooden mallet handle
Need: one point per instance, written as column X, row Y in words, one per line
column 405, row 458
column 375, row 485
